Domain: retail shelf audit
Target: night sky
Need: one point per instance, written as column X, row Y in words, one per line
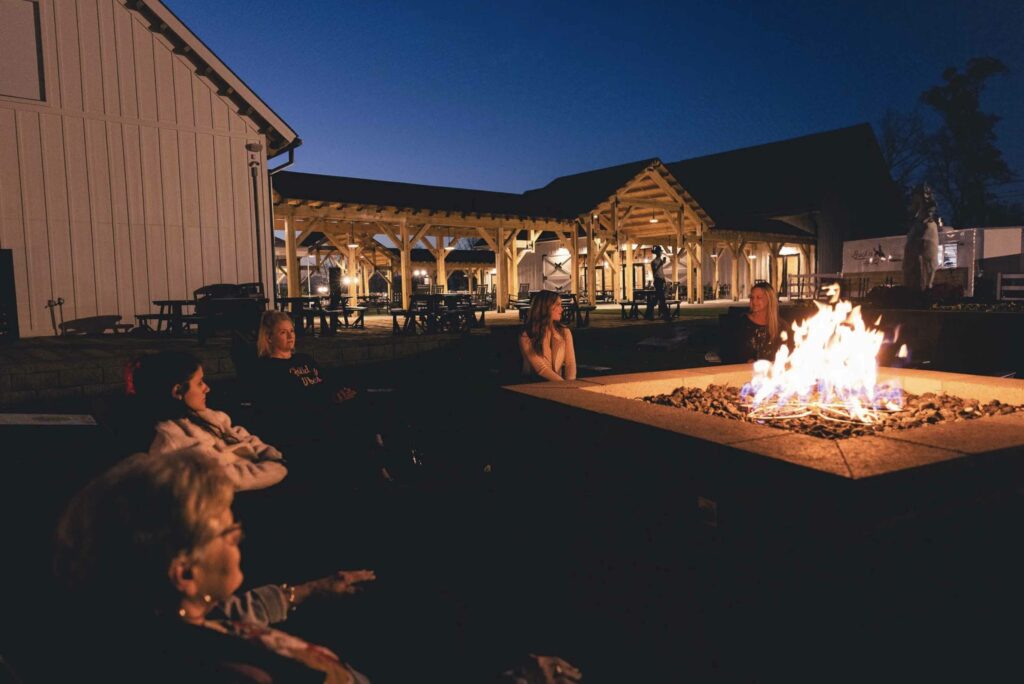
column 509, row 95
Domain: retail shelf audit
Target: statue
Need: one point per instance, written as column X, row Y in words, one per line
column 921, row 253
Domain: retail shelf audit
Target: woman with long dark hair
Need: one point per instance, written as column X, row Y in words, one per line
column 546, row 344
column 171, row 389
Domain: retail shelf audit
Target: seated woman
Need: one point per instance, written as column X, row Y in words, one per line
column 170, row 387
column 152, row 547
column 287, row 379
column 759, row 333
column 303, row 410
column 546, row 344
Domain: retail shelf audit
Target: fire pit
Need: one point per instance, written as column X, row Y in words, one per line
column 761, row 481
column 854, row 458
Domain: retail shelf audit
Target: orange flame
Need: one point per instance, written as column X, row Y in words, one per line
column 832, row 370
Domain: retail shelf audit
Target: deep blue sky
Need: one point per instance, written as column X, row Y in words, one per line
column 508, row 95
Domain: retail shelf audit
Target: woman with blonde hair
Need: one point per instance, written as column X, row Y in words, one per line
column 545, row 343
column 759, row 337
column 149, row 556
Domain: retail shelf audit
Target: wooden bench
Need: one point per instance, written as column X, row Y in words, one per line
column 634, row 308
column 144, row 321
column 397, row 329
column 583, row 315
column 94, row 325
column 344, row 312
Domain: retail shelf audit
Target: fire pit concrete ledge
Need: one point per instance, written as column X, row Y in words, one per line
column 619, row 396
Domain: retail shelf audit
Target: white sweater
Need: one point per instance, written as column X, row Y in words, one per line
column 250, row 463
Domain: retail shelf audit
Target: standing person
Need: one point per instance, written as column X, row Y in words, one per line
column 545, row 344
column 658, row 271
column 172, row 389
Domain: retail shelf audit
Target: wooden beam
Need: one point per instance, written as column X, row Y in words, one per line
column 489, row 239
column 626, row 200
column 420, row 233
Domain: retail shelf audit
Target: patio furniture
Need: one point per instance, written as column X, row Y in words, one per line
column 341, row 309
column 225, row 306
column 1009, row 286
column 94, row 325
column 172, row 313
column 304, row 311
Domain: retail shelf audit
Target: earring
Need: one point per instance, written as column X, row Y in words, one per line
column 181, row 612
column 207, row 598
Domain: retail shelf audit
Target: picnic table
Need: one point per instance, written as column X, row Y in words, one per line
column 433, row 313
column 303, row 309
column 94, row 325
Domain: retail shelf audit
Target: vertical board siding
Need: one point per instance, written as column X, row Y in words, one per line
column 58, row 225
column 225, row 212
column 108, row 57
column 208, row 207
column 12, row 216
column 240, row 193
column 33, row 202
column 130, row 182
column 91, row 60
column 103, row 247
column 119, row 215
column 68, row 54
column 83, row 268
column 125, row 49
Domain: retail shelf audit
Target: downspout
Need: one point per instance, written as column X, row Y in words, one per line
column 290, row 149
column 254, row 149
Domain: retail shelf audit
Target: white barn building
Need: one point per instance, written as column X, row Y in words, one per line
column 133, row 162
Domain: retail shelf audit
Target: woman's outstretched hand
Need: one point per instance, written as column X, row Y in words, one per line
column 341, row 582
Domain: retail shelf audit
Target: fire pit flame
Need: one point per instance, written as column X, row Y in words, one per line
column 832, row 371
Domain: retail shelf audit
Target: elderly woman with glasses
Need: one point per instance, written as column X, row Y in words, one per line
column 149, row 555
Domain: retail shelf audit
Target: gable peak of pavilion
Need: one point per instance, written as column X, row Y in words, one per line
column 652, row 195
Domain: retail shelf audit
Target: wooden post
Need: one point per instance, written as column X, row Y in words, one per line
column 689, row 271
column 750, row 266
column 406, row 263
column 628, row 277
column 591, row 262
column 736, row 248
column 616, row 268
column 352, row 272
column 774, row 274
column 291, row 257
column 717, row 252
column 500, row 295
column 574, row 260
column 698, row 247
column 676, row 248
column 513, row 254
column 442, row 269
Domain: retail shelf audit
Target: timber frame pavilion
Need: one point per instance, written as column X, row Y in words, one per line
column 608, row 224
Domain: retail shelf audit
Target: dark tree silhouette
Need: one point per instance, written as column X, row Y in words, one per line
column 963, row 162
column 902, row 138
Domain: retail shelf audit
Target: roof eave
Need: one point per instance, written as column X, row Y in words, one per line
column 279, row 134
